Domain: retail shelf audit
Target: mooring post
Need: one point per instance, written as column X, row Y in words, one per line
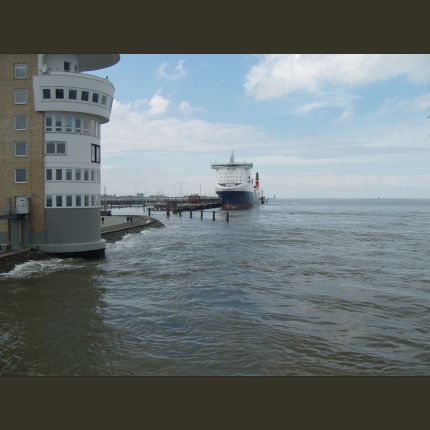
column 167, row 212
column 213, row 215
column 191, row 213
column 180, row 212
column 226, row 218
column 201, row 214
column 149, row 211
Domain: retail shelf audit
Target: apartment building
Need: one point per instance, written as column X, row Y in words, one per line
column 51, row 114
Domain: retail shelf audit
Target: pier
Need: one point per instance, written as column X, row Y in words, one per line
column 173, row 204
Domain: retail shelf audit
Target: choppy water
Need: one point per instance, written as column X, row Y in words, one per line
column 296, row 287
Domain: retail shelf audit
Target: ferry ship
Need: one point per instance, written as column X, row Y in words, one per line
column 235, row 186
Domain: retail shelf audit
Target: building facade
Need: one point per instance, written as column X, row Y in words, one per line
column 50, row 151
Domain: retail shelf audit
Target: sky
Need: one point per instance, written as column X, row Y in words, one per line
column 314, row 125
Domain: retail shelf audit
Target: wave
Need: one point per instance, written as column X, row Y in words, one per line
column 34, row 268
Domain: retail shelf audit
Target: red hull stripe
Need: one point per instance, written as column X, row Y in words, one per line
column 243, row 206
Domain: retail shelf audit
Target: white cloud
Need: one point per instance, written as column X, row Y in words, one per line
column 132, row 129
column 180, row 71
column 280, row 75
column 158, row 104
column 421, row 102
column 186, row 108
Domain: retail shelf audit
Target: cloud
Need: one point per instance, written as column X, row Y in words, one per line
column 186, row 108
column 158, row 104
column 421, row 102
column 276, row 76
column 131, row 129
column 180, row 71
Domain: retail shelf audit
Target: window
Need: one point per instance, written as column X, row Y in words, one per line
column 50, row 147
column 78, row 174
column 86, row 201
column 47, row 93
column 20, row 122
column 59, row 93
column 95, row 153
column 72, row 94
column 86, row 175
column 95, row 97
column 20, row 96
column 59, row 174
column 97, row 129
column 20, row 149
column 61, row 148
column 49, row 201
column 48, row 123
column 59, row 201
column 68, row 124
column 56, row 148
column 93, row 200
column 84, row 95
column 58, row 123
column 66, row 66
column 78, row 201
column 20, row 175
column 20, row 71
column 92, row 127
column 78, row 125
column 104, row 100
column 85, row 126
column 68, row 201
column 68, row 174
column 92, row 176
column 49, row 174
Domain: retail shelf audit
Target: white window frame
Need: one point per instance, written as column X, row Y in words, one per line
column 15, row 118
column 16, row 171
column 15, row 146
column 17, row 92
column 20, row 66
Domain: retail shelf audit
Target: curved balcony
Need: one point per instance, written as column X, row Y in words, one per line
column 74, row 81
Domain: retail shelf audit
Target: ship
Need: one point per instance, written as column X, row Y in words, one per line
column 234, row 185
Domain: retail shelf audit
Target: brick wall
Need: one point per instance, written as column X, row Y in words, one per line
column 33, row 136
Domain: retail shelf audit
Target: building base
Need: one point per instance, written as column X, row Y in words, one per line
column 89, row 255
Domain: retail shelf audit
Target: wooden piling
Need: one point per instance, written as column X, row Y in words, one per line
column 201, row 214
column 226, row 217
column 213, row 215
column 191, row 213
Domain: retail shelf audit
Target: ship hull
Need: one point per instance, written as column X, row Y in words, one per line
column 237, row 199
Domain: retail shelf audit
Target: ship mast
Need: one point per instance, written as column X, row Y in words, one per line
column 232, row 157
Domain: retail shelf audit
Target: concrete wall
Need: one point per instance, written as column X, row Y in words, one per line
column 72, row 226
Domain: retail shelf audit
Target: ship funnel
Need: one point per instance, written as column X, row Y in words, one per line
column 257, row 181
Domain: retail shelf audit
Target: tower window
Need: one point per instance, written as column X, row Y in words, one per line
column 59, row 93
column 72, row 94
column 66, row 66
column 49, row 174
column 103, row 100
column 59, row 174
column 78, row 200
column 59, row 201
column 84, row 96
column 47, row 93
column 95, row 97
column 68, row 201
column 49, row 201
column 48, row 123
